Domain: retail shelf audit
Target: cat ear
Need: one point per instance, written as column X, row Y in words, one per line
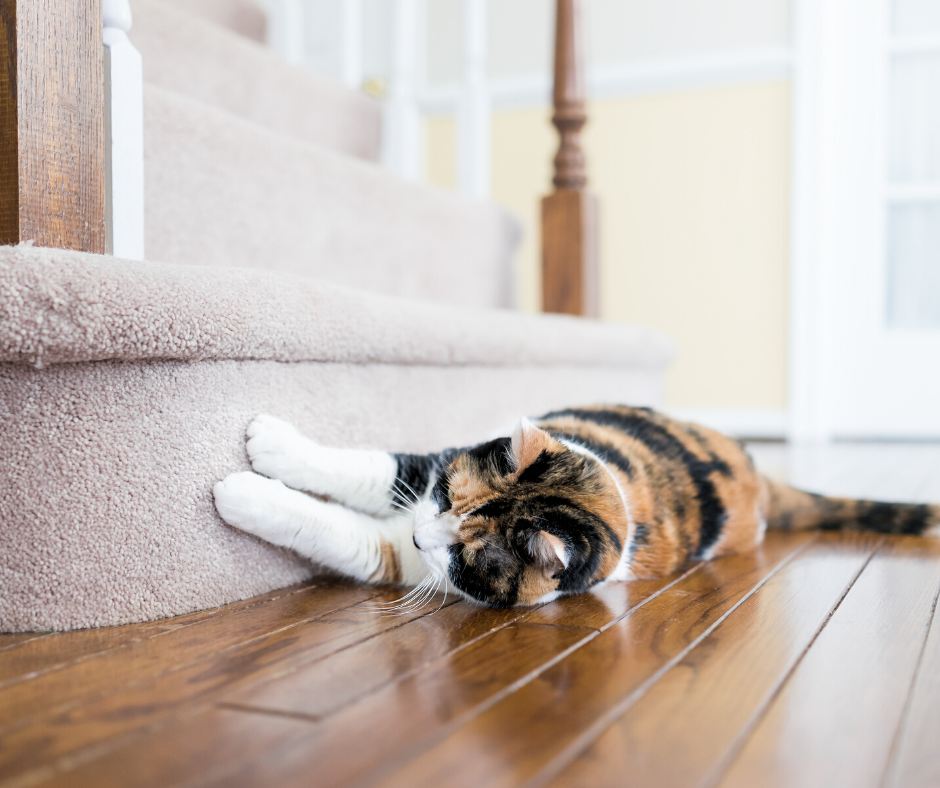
column 549, row 552
column 528, row 442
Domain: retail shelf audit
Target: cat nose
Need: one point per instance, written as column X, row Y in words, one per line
column 415, row 540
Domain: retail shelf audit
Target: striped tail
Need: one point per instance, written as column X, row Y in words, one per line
column 790, row 509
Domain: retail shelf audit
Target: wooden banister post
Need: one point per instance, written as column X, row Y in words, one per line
column 52, row 179
column 569, row 214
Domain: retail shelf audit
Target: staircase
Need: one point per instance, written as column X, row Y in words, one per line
column 286, row 273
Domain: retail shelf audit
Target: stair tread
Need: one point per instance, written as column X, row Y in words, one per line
column 240, row 16
column 64, row 306
column 223, row 191
column 188, row 54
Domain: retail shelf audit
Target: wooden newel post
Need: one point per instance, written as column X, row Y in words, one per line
column 52, row 179
column 569, row 213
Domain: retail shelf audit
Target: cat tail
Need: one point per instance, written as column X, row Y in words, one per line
column 789, row 509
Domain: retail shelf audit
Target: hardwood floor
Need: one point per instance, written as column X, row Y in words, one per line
column 813, row 661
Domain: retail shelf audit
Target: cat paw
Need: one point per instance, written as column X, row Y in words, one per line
column 247, row 501
column 277, row 450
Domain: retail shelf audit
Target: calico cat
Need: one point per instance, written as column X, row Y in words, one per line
column 575, row 498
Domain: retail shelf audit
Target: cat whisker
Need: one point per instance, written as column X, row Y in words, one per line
column 414, row 606
column 429, row 591
column 414, row 599
column 403, row 601
column 444, row 601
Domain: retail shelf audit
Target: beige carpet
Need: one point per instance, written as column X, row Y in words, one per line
column 197, row 58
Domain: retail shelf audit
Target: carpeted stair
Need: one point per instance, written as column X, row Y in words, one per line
column 125, row 388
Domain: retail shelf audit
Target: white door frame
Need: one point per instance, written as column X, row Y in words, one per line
column 838, row 206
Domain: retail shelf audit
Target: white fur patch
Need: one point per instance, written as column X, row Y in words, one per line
column 361, row 479
column 344, row 540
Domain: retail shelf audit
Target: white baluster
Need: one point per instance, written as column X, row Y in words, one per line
column 401, row 128
column 473, row 114
column 352, row 43
column 124, row 134
column 286, row 33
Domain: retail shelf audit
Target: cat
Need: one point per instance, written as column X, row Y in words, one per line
column 569, row 500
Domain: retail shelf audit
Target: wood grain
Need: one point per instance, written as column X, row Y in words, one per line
column 33, row 655
column 835, row 721
column 19, row 638
column 209, row 673
column 513, row 740
column 570, row 271
column 915, row 762
column 603, row 605
column 52, row 176
column 341, row 678
column 320, row 688
column 392, row 724
column 569, row 115
column 54, row 692
column 687, row 722
column 570, row 277
column 202, row 744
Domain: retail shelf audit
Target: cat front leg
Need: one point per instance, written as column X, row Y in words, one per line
column 365, row 548
column 375, row 482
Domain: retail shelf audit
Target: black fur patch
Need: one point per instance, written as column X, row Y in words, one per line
column 412, row 477
column 498, row 453
column 537, row 470
column 894, row 518
column 642, row 427
column 603, row 450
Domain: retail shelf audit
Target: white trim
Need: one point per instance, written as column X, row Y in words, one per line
column 285, row 29
column 473, row 111
column 352, row 43
column 914, row 45
column 913, row 192
column 123, row 135
column 765, row 65
column 769, row 423
column 811, row 243
column 400, row 125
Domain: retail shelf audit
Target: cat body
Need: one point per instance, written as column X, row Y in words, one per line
column 569, row 500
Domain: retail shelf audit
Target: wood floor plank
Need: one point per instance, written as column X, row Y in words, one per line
column 513, row 740
column 916, row 763
column 323, row 687
column 687, row 722
column 108, row 720
column 602, row 606
column 35, row 654
column 57, row 690
column 835, row 720
column 201, row 744
column 355, row 740
column 9, row 640
column 406, row 716
column 342, row 677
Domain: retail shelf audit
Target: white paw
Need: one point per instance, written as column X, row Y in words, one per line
column 277, row 450
column 252, row 503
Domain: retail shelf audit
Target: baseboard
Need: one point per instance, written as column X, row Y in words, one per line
column 772, row 64
column 755, row 423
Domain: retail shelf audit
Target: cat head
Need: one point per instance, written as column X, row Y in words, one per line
column 519, row 519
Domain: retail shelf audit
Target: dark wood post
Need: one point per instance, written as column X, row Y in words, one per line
column 52, row 177
column 569, row 213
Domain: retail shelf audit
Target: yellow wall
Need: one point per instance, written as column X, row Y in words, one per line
column 694, row 193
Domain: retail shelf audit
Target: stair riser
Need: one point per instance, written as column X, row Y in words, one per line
column 107, row 509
